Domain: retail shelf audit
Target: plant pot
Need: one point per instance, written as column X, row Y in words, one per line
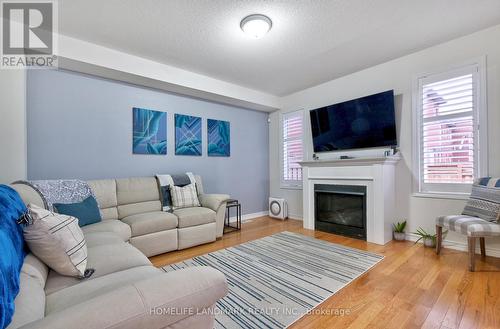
column 399, row 236
column 429, row 242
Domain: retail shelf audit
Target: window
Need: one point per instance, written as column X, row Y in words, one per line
column 449, row 110
column 292, row 152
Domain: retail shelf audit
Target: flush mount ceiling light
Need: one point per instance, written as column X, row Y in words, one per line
column 256, row 25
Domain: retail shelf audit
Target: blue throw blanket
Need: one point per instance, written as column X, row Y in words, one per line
column 12, row 251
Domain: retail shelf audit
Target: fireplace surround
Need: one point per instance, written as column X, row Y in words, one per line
column 376, row 175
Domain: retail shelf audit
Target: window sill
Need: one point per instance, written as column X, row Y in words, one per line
column 291, row 187
column 451, row 196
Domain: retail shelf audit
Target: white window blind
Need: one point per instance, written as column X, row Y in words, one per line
column 448, row 106
column 292, row 130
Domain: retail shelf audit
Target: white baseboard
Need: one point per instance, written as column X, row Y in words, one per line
column 254, row 215
column 246, row 217
column 461, row 246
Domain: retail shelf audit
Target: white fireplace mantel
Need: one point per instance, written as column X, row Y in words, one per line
column 377, row 174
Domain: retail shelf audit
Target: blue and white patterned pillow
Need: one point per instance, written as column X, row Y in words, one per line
column 484, row 201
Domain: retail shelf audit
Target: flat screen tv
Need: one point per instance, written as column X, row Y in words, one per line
column 365, row 122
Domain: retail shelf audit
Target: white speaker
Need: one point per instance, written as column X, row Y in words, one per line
column 278, row 208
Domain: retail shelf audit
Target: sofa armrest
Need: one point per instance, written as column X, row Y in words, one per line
column 153, row 303
column 216, row 202
column 213, row 201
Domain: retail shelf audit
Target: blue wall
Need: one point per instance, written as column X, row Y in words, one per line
column 80, row 126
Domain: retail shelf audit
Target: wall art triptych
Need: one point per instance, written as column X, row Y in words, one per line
column 150, row 134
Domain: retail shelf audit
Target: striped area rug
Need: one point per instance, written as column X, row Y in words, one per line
column 275, row 280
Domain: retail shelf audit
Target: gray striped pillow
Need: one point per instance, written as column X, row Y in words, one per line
column 484, row 201
column 185, row 196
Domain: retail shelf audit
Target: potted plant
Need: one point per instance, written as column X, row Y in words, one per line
column 399, row 231
column 428, row 239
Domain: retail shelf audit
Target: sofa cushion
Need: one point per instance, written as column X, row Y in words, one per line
column 135, row 190
column 35, row 268
column 92, row 288
column 30, row 302
column 57, row 240
column 105, row 259
column 194, row 216
column 105, row 192
column 151, row 222
column 86, row 211
column 102, row 238
column 112, row 225
column 138, row 208
column 109, row 213
column 156, row 243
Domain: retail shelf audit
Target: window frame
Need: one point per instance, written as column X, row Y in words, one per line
column 450, row 190
column 290, row 184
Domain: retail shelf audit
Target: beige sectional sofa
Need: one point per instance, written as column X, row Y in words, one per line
column 131, row 208
column 126, row 290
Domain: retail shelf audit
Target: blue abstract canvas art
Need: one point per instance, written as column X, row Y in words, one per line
column 149, row 132
column 187, row 135
column 219, row 144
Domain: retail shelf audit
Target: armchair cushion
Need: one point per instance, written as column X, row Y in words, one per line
column 470, row 226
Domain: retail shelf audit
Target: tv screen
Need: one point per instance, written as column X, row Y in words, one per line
column 360, row 123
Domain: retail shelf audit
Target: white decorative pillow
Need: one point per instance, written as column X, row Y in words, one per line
column 58, row 241
column 185, row 196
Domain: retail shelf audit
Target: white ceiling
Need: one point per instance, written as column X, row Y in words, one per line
column 312, row 41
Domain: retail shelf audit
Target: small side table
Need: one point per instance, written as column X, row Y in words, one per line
column 232, row 203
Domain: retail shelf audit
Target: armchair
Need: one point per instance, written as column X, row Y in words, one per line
column 479, row 219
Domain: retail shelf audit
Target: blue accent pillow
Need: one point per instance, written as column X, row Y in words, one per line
column 86, row 211
column 12, row 251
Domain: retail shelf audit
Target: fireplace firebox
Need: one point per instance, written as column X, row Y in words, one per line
column 341, row 209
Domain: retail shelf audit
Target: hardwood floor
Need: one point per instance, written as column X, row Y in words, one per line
column 411, row 288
